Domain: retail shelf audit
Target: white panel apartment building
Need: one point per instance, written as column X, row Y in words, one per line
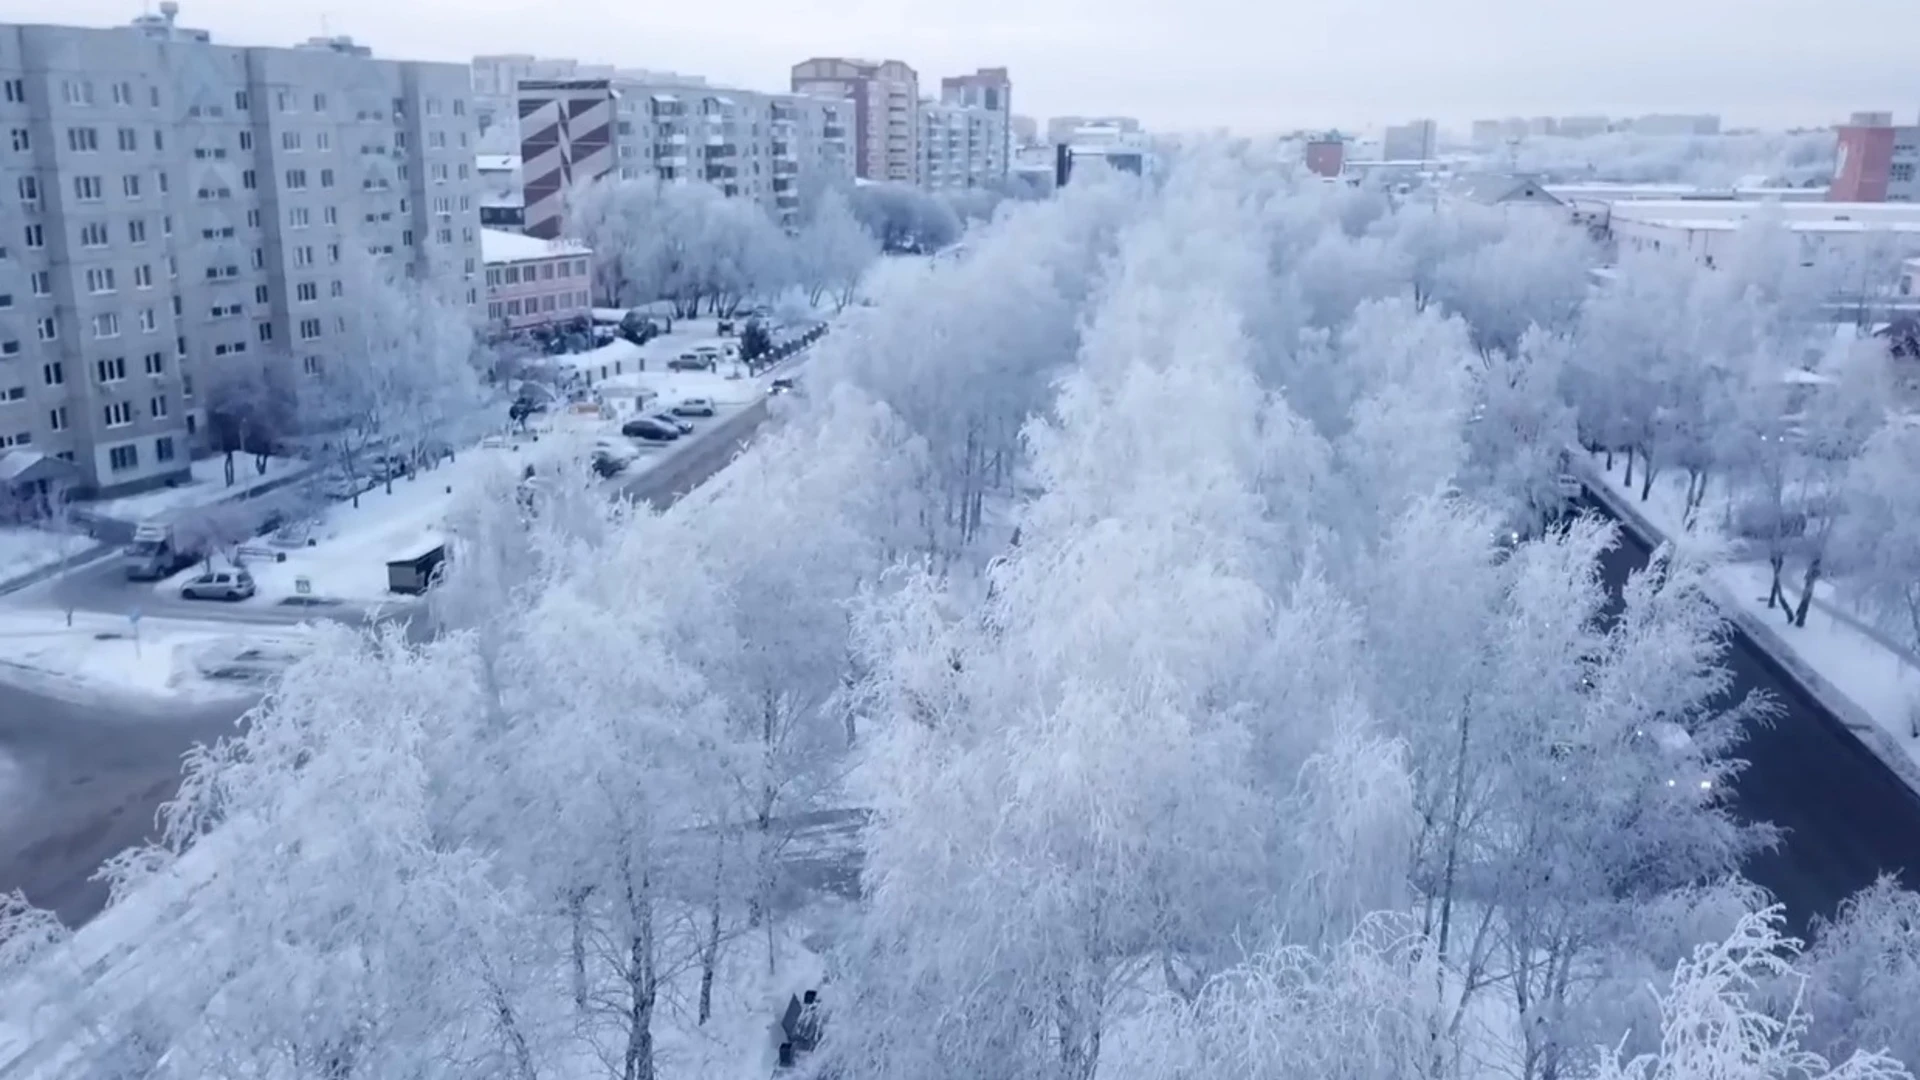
column 961, row 146
column 166, row 200
column 766, row 147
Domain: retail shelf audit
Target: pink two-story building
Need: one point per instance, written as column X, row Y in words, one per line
column 533, row 283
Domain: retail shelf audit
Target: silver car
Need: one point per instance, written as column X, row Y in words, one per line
column 219, row 585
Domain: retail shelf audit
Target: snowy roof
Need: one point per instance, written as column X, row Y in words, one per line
column 497, row 246
column 496, row 162
column 1665, row 210
column 664, row 97
column 1491, row 188
column 26, row 466
column 619, row 349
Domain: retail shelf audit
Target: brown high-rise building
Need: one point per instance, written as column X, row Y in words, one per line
column 886, row 110
column 992, row 90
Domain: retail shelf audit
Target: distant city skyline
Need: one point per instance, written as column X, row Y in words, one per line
column 1196, row 65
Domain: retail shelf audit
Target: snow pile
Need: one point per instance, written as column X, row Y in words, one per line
column 209, row 485
column 112, row 656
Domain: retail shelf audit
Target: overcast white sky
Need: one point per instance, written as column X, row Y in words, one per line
column 1252, row 65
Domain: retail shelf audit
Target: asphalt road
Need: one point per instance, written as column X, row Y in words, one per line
column 1847, row 818
column 82, row 781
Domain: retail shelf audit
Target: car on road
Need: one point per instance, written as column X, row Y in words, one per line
column 783, row 386
column 219, row 585
column 694, row 406
column 672, row 421
column 607, row 464
column 688, row 362
column 649, row 430
column 1673, row 740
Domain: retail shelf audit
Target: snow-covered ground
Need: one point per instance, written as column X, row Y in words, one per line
column 24, row 549
column 108, row 655
column 209, row 485
column 1835, row 645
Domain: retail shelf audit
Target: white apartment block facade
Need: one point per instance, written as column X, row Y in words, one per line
column 766, row 147
column 961, row 147
column 166, row 200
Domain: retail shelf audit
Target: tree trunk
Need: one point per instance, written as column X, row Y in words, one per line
column 227, row 464
column 710, row 948
column 1807, row 584
column 643, row 986
column 1646, row 475
column 577, row 927
column 1776, row 562
column 1629, row 478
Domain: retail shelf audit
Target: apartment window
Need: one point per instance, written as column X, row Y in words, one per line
column 76, row 91
column 100, row 279
column 439, row 173
column 93, row 234
column 186, row 384
column 335, row 290
column 296, row 179
column 110, row 371
column 159, row 141
column 319, row 103
column 53, row 373
column 1900, row 173
column 57, row 418
column 161, row 179
column 29, row 190
column 41, row 282
column 309, row 329
column 248, row 179
column 322, row 141
column 129, row 140
column 513, row 275
column 280, row 101
column 157, row 405
column 156, row 363
column 10, row 347
column 106, row 325
column 264, row 331
column 36, row 238
column 303, row 256
column 240, row 100
column 546, row 271
column 261, row 295
column 83, row 140
column 310, row 365
column 494, row 309
column 143, row 276
column 130, row 185
column 433, row 106
column 16, row 91
column 307, row 292
column 136, row 231
column 513, row 307
column 297, row 217
column 122, row 458
column 246, row 140
column 463, row 172
column 459, row 106
column 259, row 258
column 122, row 93
column 326, row 178
column 329, row 216
column 149, row 322
column 289, row 140
column 86, row 188
column 13, row 393
column 437, row 140
column 333, row 254
column 163, row 448
column 20, row 140
column 47, row 330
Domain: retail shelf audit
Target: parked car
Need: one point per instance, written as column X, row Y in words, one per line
column 649, row 430
column 672, row 421
column 606, row 464
column 687, row 362
column 219, row 585
column 694, row 406
column 782, row 386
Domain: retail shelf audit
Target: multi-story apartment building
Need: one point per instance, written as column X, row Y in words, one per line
column 886, row 105
column 961, row 147
column 173, row 201
column 764, row 147
column 1877, row 160
column 989, row 90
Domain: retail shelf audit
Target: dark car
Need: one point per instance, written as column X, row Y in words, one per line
column 605, row 464
column 648, row 430
column 782, row 386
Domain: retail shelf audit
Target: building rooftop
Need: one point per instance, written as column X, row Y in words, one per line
column 505, row 247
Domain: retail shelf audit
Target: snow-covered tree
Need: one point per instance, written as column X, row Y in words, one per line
column 684, row 243
column 1863, row 975
column 1878, row 538
column 1520, row 429
column 904, row 218
column 833, row 252
column 1534, row 274
column 1715, row 1023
